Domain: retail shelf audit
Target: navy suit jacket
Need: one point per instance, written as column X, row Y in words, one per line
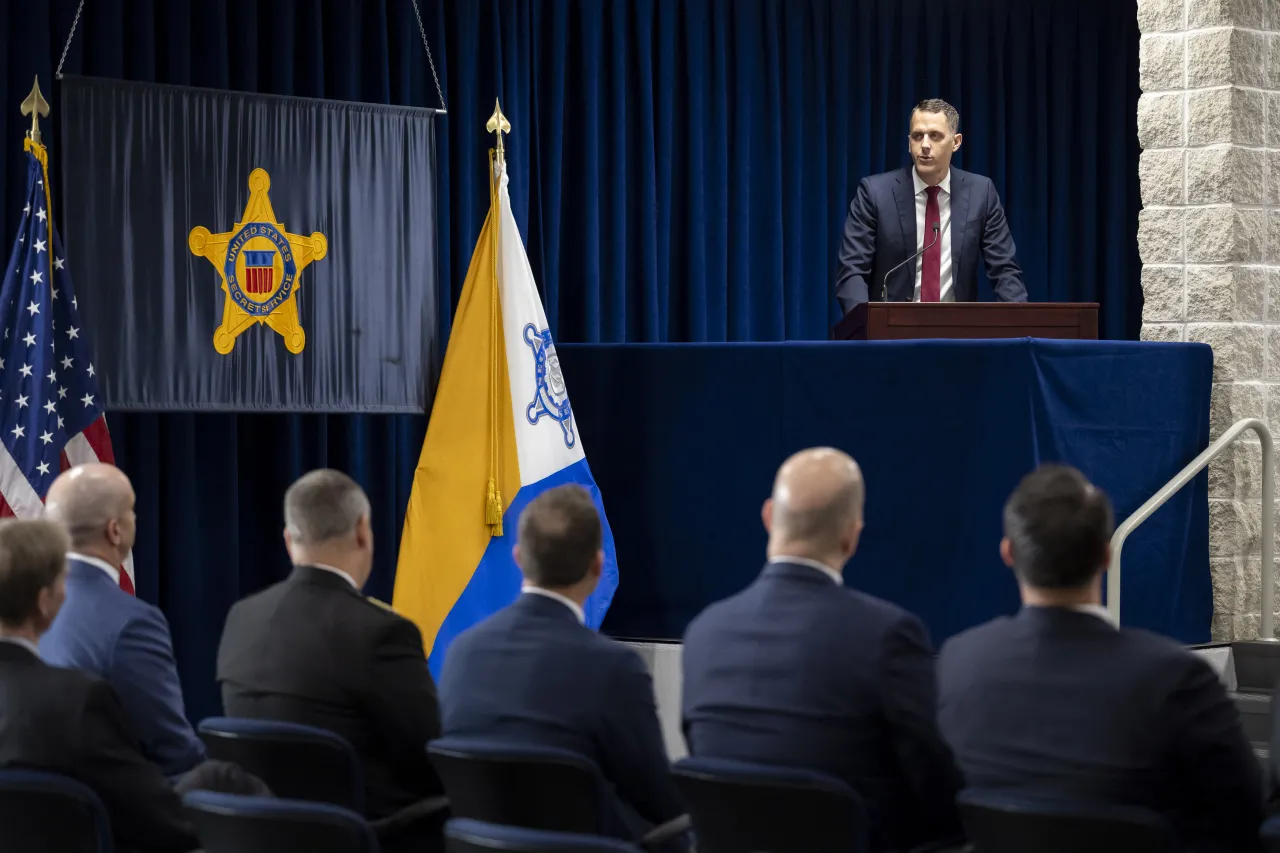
column 880, row 233
column 796, row 671
column 531, row 674
column 1060, row 703
column 69, row 722
column 125, row 641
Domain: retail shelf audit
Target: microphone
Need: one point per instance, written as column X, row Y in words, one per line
column 884, row 282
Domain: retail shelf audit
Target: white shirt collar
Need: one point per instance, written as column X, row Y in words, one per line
column 25, row 643
column 555, row 596
column 112, row 571
column 1094, row 610
column 813, row 564
column 339, row 572
column 921, row 186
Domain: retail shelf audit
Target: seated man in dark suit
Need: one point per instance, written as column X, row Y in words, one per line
column 313, row 650
column 1057, row 701
column 107, row 632
column 66, row 721
column 949, row 217
column 797, row 670
column 534, row 674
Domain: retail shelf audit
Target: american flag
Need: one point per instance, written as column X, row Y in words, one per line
column 51, row 414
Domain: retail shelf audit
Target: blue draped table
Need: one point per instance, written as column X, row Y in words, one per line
column 684, row 440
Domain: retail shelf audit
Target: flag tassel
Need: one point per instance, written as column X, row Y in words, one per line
column 493, row 509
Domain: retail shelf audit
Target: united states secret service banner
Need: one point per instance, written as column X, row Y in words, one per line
column 251, row 252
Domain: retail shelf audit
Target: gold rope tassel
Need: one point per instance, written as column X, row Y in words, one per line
column 493, row 510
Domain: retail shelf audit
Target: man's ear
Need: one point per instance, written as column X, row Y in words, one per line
column 1006, row 552
column 766, row 515
column 959, row 140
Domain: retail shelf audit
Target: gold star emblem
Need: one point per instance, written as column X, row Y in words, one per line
column 259, row 263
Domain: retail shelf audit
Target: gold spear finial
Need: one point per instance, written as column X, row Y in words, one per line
column 498, row 124
column 35, row 106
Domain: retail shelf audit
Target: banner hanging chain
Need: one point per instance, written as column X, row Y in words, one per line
column 432, row 62
column 57, row 75
column 422, row 30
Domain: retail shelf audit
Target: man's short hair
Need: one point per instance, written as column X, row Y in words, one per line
column 937, row 105
column 322, row 505
column 33, row 554
column 559, row 537
column 1059, row 526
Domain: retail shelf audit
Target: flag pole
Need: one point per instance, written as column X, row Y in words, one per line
column 497, row 165
column 35, row 106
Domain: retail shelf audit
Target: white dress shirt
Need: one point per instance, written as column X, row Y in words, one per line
column 24, row 642
column 1094, row 610
column 555, row 596
column 339, row 572
column 112, row 571
column 813, row 564
column 924, row 235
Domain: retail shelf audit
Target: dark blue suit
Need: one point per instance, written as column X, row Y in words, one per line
column 1059, row 702
column 880, row 233
column 796, row 671
column 125, row 641
column 532, row 674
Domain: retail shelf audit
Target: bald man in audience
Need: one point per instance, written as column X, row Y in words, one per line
column 799, row 671
column 106, row 631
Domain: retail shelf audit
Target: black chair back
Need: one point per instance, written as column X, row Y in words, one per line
column 230, row 823
column 297, row 762
column 512, row 785
column 747, row 808
column 1271, row 835
column 46, row 811
column 471, row 836
column 999, row 822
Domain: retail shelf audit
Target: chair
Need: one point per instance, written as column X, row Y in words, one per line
column 297, row 762
column 1002, row 822
column 744, row 808
column 47, row 811
column 307, row 763
column 473, row 836
column 1271, row 835
column 230, row 823
column 532, row 787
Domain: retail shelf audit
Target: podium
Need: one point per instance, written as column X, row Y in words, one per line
column 896, row 321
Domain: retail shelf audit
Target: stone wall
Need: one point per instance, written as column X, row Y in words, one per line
column 1209, row 237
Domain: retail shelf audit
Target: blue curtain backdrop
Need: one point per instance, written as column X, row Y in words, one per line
column 680, row 171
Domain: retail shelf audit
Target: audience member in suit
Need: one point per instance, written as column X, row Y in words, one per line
column 107, row 632
column 313, row 650
column 798, row 670
column 534, row 674
column 66, row 721
column 1058, row 701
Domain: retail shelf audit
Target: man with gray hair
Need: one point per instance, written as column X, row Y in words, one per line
column 314, row 650
column 105, row 631
column 800, row 671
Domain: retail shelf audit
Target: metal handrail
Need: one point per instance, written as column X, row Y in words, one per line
column 1186, row 475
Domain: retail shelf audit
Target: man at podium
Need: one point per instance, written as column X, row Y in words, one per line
column 914, row 235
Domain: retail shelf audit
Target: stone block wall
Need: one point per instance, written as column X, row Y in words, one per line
column 1209, row 238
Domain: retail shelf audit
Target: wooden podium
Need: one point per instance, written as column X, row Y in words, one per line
column 896, row 321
